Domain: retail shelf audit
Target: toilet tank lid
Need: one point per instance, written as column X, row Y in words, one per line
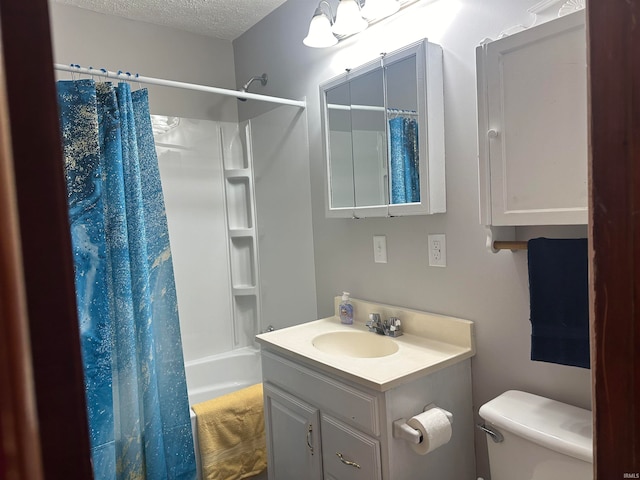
column 551, row 424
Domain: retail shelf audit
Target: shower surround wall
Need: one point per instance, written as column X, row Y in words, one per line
column 191, row 155
column 265, row 276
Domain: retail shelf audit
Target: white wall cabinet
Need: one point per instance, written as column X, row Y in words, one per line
column 532, row 125
column 319, row 426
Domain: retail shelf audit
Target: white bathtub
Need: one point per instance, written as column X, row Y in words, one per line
column 218, row 375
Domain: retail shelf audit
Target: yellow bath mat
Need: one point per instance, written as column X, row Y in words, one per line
column 231, row 435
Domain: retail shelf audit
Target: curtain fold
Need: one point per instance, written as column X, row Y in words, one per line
column 403, row 152
column 134, row 372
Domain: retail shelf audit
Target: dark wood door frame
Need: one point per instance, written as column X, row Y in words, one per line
column 19, row 438
column 45, row 240
column 614, row 233
column 614, row 165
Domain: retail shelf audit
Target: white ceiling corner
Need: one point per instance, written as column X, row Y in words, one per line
column 225, row 19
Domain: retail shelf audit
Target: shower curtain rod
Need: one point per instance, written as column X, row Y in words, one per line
column 371, row 108
column 126, row 76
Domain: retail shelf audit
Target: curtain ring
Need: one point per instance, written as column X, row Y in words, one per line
column 139, row 84
column 79, row 67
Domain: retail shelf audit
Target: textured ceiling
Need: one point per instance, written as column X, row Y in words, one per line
column 226, row 19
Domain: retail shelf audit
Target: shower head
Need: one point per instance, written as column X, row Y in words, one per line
column 263, row 81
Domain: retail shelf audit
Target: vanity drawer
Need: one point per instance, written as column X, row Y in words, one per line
column 347, row 453
column 353, row 406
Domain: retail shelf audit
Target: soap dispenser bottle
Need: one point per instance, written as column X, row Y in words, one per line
column 346, row 309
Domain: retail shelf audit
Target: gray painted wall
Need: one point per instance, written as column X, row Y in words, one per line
column 490, row 289
column 102, row 41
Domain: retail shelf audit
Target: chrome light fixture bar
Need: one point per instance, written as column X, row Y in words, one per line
column 377, row 9
column 352, row 17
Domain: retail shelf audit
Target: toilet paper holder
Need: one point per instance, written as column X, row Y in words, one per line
column 410, row 434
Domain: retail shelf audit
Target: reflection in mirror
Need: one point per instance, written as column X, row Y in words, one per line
column 382, row 156
column 402, row 101
column 368, row 133
column 339, row 117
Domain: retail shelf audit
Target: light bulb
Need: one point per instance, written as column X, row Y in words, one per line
column 349, row 19
column 320, row 35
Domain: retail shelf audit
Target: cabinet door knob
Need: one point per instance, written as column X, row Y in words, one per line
column 347, row 462
column 309, row 433
column 492, row 133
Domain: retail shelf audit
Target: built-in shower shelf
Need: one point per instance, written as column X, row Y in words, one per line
column 242, row 236
column 237, row 173
column 241, row 232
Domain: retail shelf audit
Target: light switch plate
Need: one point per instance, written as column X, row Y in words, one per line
column 380, row 249
column 437, row 250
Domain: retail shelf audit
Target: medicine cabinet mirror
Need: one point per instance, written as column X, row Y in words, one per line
column 383, row 130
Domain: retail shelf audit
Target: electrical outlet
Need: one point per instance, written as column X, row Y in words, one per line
column 380, row 249
column 437, row 250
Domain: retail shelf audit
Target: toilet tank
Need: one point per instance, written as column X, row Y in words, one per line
column 542, row 439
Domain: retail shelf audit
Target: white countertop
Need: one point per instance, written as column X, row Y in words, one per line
column 435, row 342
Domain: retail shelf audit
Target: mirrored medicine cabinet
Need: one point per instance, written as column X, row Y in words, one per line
column 383, row 130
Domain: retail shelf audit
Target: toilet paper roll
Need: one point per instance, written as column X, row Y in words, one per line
column 435, row 428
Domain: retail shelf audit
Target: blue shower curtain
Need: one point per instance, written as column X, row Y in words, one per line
column 134, row 372
column 403, row 152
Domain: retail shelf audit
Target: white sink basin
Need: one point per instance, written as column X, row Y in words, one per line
column 355, row 344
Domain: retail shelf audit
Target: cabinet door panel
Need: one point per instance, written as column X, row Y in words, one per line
column 348, row 454
column 536, row 84
column 293, row 437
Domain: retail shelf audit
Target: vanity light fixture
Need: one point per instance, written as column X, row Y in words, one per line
column 349, row 19
column 320, row 34
column 352, row 16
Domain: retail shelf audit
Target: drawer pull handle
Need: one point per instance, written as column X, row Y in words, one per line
column 347, row 462
column 309, row 433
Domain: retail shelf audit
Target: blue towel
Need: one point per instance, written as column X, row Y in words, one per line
column 559, row 301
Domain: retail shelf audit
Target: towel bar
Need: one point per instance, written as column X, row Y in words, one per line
column 503, row 245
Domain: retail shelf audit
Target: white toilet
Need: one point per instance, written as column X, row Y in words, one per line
column 535, row 438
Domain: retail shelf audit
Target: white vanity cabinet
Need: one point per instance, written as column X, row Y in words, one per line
column 532, row 125
column 321, row 426
column 295, row 444
column 305, row 434
column 348, row 453
column 288, row 421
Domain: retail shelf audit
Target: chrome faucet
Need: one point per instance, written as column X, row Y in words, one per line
column 375, row 324
column 390, row 328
